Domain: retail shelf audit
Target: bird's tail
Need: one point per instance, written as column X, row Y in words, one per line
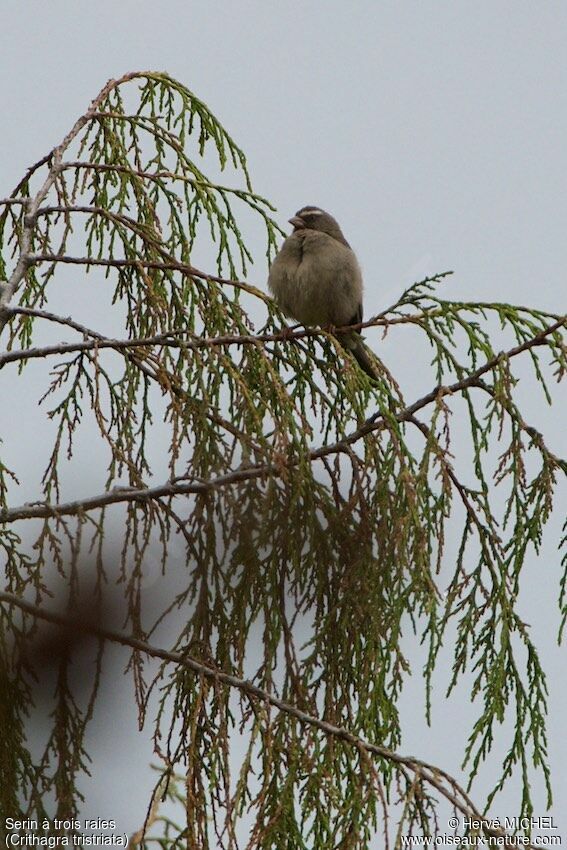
column 354, row 344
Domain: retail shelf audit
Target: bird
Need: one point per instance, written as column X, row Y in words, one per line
column 315, row 279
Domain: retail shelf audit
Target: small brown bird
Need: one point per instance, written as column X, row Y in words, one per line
column 316, row 280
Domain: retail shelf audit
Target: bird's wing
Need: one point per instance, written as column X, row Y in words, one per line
column 357, row 318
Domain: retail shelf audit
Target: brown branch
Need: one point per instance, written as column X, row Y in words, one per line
column 449, row 788
column 39, row 510
column 54, row 317
column 184, row 487
column 169, row 338
column 88, row 345
column 160, row 265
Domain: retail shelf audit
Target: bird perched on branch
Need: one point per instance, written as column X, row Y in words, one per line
column 315, row 279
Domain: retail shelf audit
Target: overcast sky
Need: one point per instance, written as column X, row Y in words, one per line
column 436, row 133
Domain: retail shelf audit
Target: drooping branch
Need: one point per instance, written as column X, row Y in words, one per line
column 373, row 424
column 435, row 776
column 32, row 205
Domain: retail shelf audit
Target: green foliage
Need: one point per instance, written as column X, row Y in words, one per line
column 313, row 507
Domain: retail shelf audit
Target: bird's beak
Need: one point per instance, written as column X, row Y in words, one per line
column 298, row 223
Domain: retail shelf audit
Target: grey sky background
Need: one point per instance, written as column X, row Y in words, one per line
column 435, row 132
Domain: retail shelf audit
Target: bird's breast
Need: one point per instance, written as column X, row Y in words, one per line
column 316, row 280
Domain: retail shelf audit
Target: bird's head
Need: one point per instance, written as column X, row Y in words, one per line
column 314, row 218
